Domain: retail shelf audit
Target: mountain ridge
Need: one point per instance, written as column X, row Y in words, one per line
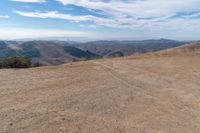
column 59, row 52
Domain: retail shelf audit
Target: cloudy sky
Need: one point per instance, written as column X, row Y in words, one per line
column 100, row 19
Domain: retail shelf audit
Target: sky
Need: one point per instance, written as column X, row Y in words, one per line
column 100, row 19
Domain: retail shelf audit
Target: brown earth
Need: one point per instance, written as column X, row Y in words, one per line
column 151, row 93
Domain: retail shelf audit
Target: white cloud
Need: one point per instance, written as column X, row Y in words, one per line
column 90, row 25
column 138, row 13
column 4, row 17
column 16, row 33
column 55, row 14
column 30, row 1
column 138, row 8
column 116, row 22
column 131, row 14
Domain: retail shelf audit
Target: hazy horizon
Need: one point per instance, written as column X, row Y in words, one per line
column 83, row 40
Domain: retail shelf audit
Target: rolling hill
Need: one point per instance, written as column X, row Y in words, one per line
column 59, row 52
column 184, row 50
column 46, row 52
column 106, row 48
column 149, row 93
column 193, row 48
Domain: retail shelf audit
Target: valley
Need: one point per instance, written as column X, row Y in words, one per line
column 48, row 53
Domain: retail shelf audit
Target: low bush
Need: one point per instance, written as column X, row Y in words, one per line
column 15, row 62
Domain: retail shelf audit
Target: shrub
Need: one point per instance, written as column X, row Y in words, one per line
column 15, row 62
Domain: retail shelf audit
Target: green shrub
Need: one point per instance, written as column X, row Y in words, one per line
column 15, row 62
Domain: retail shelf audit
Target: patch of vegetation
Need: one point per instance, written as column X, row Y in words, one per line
column 5, row 51
column 29, row 51
column 15, row 62
column 73, row 51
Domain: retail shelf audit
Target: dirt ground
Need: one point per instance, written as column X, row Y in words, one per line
column 156, row 94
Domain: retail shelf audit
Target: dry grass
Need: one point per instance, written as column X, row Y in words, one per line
column 158, row 94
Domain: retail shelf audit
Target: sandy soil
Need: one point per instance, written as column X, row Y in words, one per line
column 155, row 94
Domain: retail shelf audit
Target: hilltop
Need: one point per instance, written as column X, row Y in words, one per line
column 149, row 93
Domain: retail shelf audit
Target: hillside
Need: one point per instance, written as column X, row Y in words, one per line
column 126, row 48
column 54, row 54
column 185, row 50
column 193, row 48
column 59, row 52
column 5, row 50
column 44, row 52
column 150, row 93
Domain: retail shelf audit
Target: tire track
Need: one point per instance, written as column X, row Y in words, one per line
column 140, row 90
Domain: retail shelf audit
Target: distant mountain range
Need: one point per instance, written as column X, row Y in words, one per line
column 58, row 52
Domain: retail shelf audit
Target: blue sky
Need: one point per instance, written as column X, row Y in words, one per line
column 100, row 19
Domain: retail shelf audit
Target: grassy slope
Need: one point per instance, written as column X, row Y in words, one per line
column 130, row 95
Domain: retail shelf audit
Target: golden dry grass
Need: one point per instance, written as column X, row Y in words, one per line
column 144, row 94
